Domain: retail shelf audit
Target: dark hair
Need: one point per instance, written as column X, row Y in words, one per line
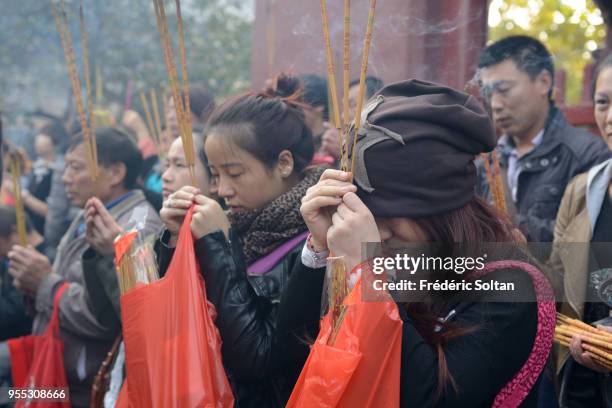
column 199, row 140
column 266, row 123
column 8, row 221
column 528, row 54
column 2, row 152
column 201, row 102
column 476, row 222
column 315, row 92
column 373, row 84
column 115, row 147
column 603, row 64
column 58, row 134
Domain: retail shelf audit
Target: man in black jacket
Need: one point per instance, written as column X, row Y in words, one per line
column 539, row 151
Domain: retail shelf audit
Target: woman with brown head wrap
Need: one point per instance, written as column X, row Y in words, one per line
column 415, row 177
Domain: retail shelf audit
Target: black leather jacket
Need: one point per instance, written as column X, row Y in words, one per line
column 265, row 335
column 565, row 152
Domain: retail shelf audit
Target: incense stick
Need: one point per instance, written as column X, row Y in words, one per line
column 88, row 94
column 362, row 77
column 187, row 124
column 183, row 117
column 145, row 106
column 164, row 97
column 61, row 22
column 331, row 75
column 345, row 85
column 499, row 184
column 271, row 37
column 99, row 86
column 155, row 107
column 16, row 165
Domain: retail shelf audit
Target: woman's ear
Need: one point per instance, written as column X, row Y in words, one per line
column 285, row 163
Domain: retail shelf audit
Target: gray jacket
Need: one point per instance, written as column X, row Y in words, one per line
column 565, row 152
column 86, row 340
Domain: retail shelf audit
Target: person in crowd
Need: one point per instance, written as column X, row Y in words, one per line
column 99, row 271
column 201, row 103
column 259, row 148
column 539, row 151
column 330, row 142
column 14, row 318
column 60, row 211
column 455, row 353
column 50, row 141
column 315, row 94
column 177, row 175
column 585, row 217
column 86, row 339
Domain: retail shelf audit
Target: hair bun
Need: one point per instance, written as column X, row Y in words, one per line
column 283, row 86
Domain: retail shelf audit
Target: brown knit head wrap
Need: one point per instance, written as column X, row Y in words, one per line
column 415, row 151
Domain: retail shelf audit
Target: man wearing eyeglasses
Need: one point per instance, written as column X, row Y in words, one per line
column 539, row 151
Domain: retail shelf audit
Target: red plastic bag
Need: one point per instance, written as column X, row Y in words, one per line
column 362, row 368
column 37, row 362
column 172, row 347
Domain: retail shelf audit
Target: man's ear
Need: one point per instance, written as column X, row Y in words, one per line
column 544, row 82
column 116, row 173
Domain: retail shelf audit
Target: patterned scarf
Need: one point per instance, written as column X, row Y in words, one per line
column 263, row 230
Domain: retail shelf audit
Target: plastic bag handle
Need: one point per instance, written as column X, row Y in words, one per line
column 53, row 326
column 185, row 231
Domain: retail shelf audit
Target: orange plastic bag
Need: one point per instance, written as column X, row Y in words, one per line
column 172, row 347
column 362, row 368
column 37, row 362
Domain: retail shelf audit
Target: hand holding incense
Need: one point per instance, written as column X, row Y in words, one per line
column 596, row 342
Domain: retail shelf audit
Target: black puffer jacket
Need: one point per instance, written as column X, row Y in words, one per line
column 565, row 152
column 265, row 335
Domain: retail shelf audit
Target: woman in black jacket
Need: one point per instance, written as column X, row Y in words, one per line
column 258, row 149
column 415, row 179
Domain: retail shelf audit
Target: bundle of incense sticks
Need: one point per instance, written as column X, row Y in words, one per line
column 338, row 286
column 181, row 104
column 596, row 342
column 338, row 289
column 17, row 165
column 135, row 262
column 494, row 180
column 89, row 135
